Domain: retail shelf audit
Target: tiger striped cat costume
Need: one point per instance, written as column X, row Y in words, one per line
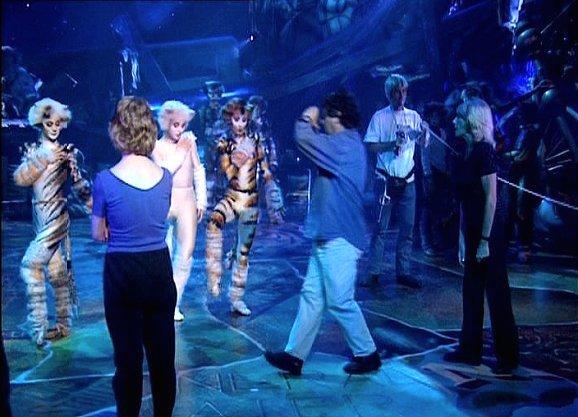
column 239, row 158
column 260, row 125
column 45, row 167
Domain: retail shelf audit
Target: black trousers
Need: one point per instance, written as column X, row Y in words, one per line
column 139, row 304
column 489, row 277
column 4, row 382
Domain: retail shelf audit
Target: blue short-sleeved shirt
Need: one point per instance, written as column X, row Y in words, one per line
column 136, row 217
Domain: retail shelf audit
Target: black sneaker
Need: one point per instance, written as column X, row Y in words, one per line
column 285, row 362
column 457, row 356
column 504, row 370
column 369, row 281
column 363, row 364
column 409, row 281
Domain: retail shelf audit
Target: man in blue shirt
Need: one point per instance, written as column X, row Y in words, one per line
column 337, row 228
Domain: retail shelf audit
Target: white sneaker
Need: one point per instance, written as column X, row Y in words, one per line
column 215, row 290
column 39, row 338
column 241, row 308
column 178, row 315
column 229, row 259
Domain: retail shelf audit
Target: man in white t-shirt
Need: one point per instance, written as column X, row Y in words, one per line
column 392, row 134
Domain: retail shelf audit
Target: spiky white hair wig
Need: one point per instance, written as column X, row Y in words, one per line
column 47, row 108
column 171, row 108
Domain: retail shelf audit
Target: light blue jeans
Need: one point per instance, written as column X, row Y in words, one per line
column 404, row 206
column 330, row 284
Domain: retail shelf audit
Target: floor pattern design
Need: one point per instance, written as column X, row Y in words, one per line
column 221, row 370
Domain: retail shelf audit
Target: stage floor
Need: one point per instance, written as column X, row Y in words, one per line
column 221, row 370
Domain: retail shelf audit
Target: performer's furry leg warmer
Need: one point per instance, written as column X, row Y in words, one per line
column 59, row 279
column 238, row 284
column 214, row 256
column 32, row 274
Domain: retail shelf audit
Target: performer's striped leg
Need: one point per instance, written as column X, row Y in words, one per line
column 32, row 273
column 222, row 214
column 246, row 233
column 214, row 254
column 59, row 278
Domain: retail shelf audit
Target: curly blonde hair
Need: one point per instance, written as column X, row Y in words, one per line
column 133, row 128
column 45, row 109
column 171, row 108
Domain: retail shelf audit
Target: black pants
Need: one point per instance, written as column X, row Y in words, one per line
column 139, row 304
column 4, row 382
column 489, row 277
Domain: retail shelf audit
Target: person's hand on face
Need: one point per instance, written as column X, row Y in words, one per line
column 312, row 113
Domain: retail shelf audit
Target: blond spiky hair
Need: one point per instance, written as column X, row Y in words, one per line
column 168, row 111
column 45, row 109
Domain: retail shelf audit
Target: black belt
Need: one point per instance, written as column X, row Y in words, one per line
column 252, row 190
column 386, row 174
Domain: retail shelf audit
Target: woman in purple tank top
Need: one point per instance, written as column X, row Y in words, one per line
column 131, row 202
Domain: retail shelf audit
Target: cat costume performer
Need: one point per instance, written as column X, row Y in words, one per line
column 45, row 167
column 260, row 125
column 177, row 151
column 240, row 155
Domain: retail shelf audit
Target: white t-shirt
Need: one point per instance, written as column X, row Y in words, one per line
column 383, row 127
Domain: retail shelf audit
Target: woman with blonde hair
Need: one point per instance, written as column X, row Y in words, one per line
column 483, row 218
column 131, row 203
